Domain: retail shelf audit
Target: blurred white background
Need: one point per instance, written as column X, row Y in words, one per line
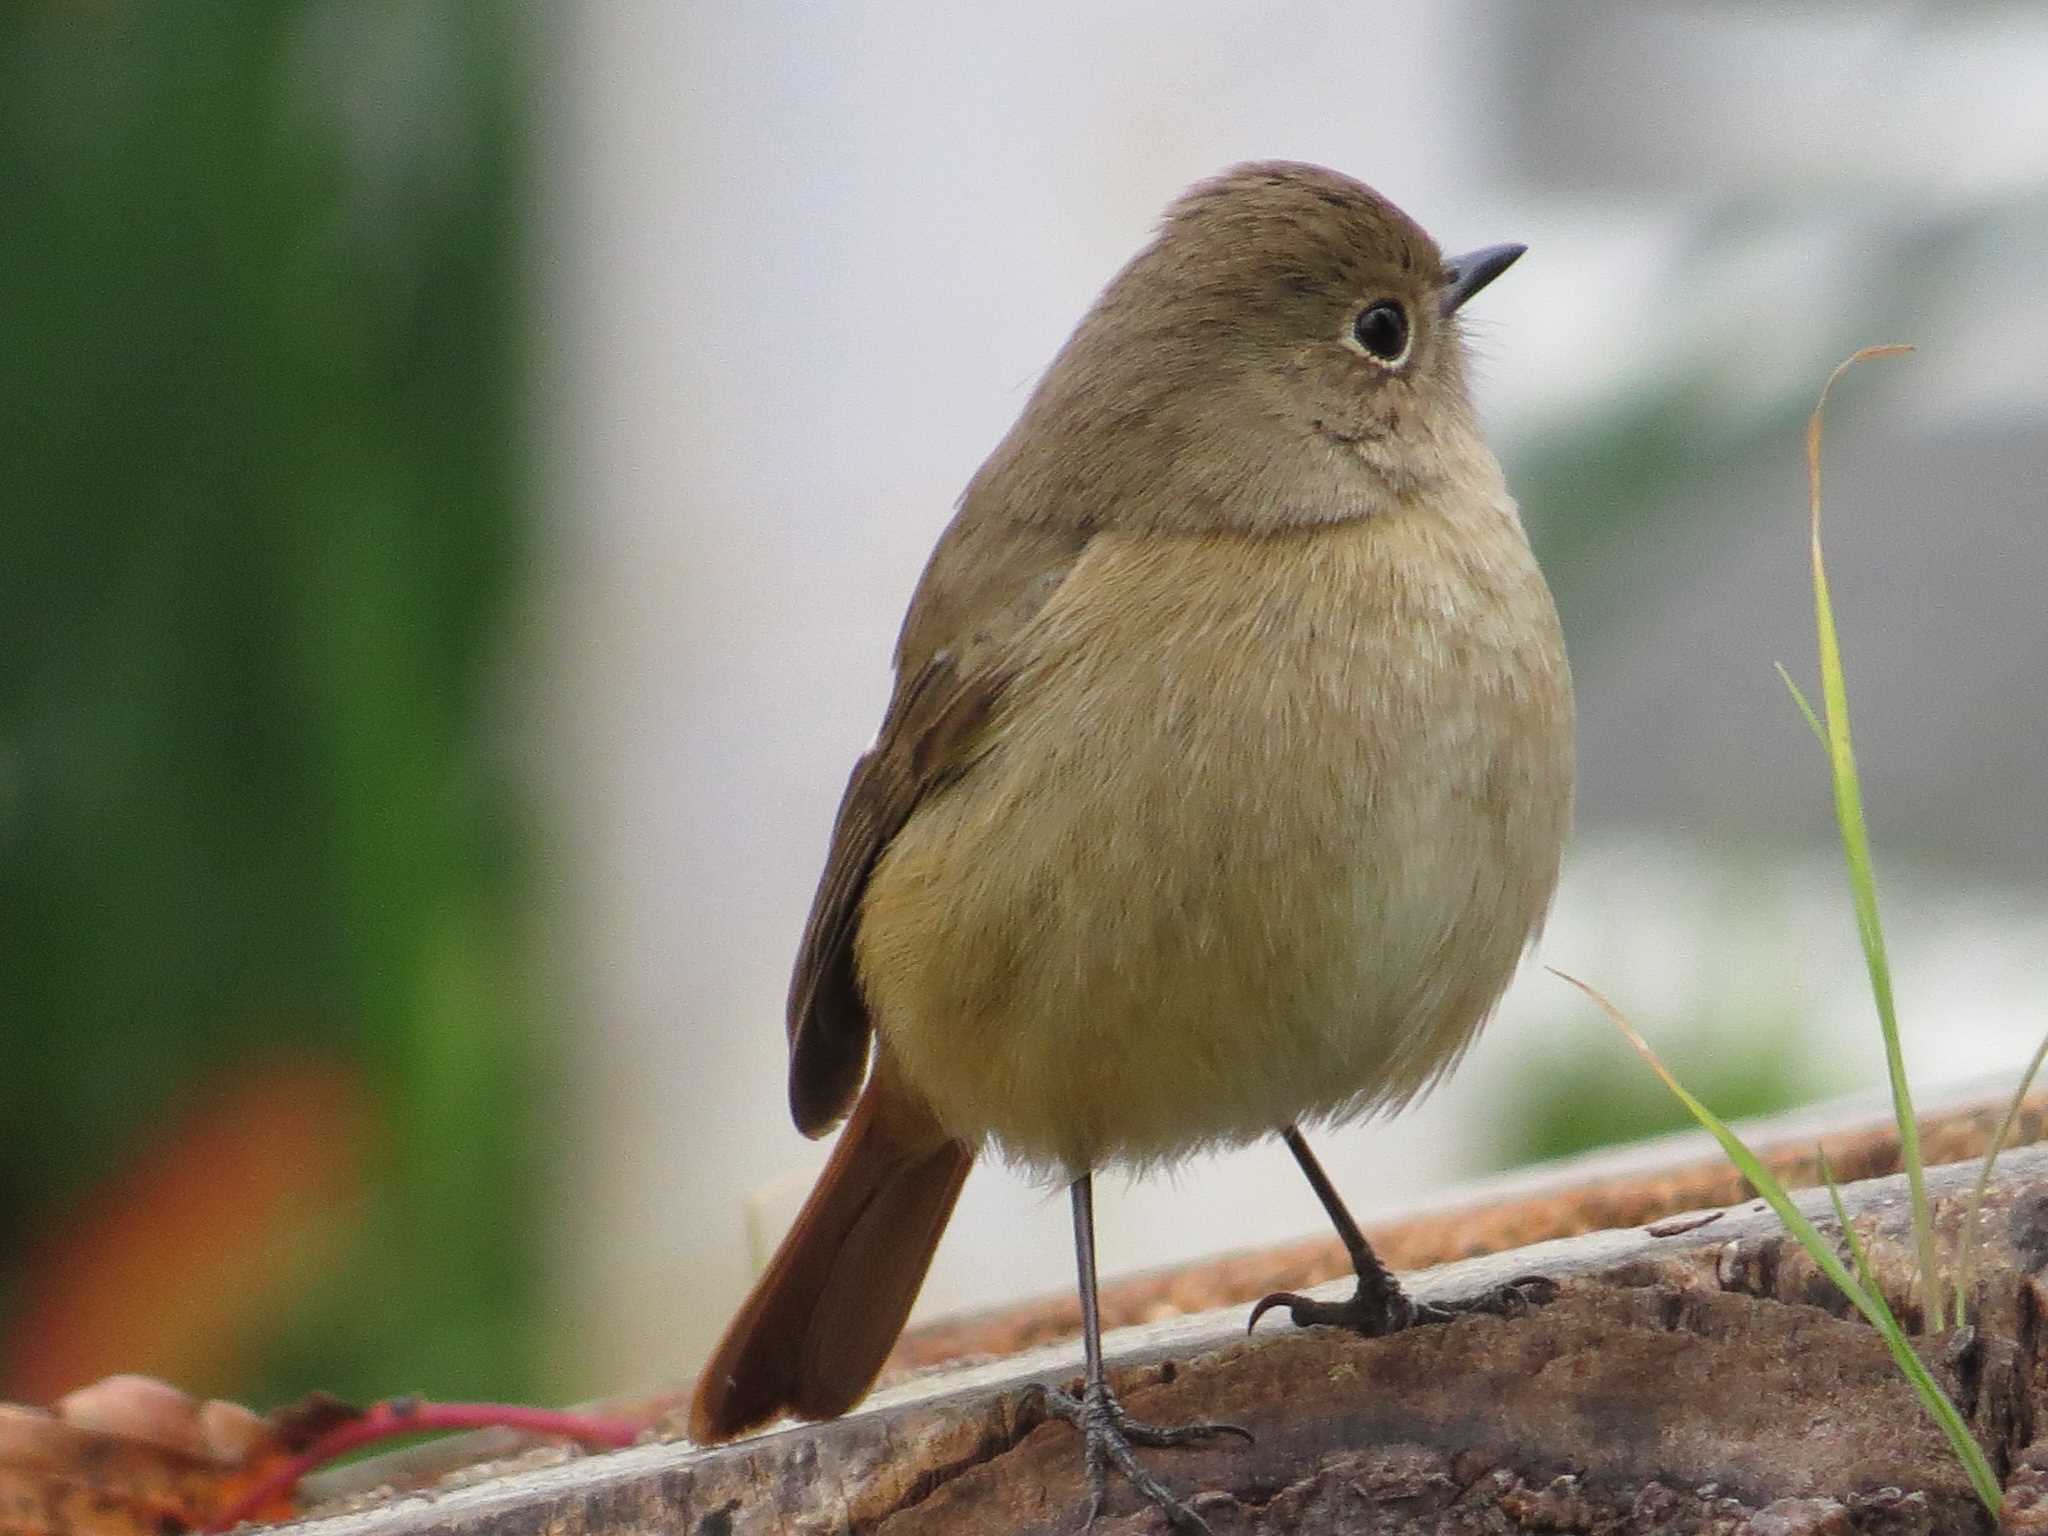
column 799, row 268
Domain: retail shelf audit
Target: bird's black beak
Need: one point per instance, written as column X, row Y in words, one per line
column 1465, row 275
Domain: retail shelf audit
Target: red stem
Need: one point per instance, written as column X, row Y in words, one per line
column 405, row 1416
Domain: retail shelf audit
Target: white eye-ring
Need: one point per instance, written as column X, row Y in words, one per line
column 1381, row 332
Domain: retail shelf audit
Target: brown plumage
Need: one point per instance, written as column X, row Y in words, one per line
column 1226, row 774
column 820, row 1322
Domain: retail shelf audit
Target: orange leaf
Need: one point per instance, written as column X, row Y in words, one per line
column 132, row 1456
column 182, row 1262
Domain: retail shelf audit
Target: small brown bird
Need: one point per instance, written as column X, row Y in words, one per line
column 1224, row 782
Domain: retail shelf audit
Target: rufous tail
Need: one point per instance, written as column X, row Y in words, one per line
column 812, row 1337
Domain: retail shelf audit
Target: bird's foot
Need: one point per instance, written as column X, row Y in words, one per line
column 1107, row 1435
column 1377, row 1310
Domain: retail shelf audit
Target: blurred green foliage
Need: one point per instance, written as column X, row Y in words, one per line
column 1589, row 1094
column 261, row 461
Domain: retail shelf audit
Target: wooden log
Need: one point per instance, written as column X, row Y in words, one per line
column 1697, row 1373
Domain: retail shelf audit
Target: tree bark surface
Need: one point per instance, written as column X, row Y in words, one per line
column 1694, row 1374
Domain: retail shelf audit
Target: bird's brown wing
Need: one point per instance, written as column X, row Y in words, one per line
column 983, row 584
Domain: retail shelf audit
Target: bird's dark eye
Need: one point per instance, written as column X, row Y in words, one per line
column 1382, row 330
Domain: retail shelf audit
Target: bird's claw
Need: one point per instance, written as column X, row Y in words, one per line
column 1377, row 1313
column 1374, row 1316
column 1107, row 1435
column 1514, row 1298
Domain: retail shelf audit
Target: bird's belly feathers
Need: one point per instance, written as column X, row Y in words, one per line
column 1258, row 834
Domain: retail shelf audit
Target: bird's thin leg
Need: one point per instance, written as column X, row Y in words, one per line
column 1107, row 1433
column 1379, row 1305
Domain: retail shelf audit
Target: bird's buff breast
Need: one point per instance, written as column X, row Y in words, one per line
column 1257, row 834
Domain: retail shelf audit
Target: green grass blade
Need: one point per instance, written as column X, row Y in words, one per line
column 1873, row 1306
column 1859, row 1258
column 1966, row 1256
column 1820, row 732
column 1856, row 852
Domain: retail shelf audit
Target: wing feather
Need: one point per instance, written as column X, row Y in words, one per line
column 984, row 584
